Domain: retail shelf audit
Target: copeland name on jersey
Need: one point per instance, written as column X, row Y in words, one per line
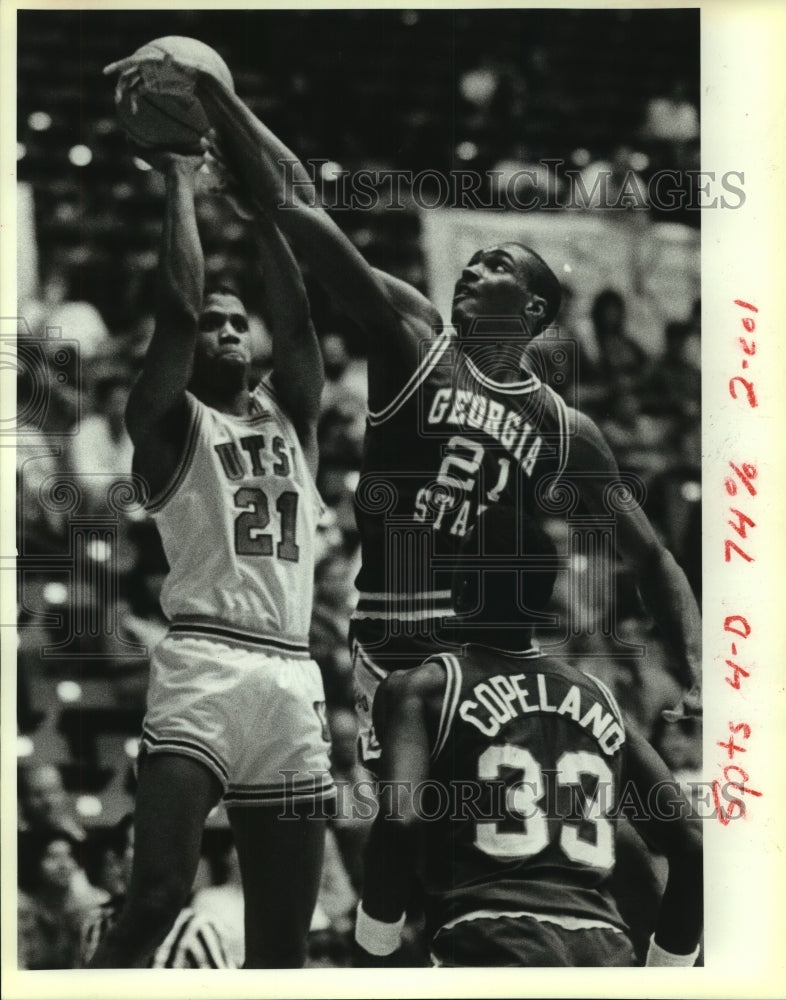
column 451, row 444
column 237, row 522
column 530, row 750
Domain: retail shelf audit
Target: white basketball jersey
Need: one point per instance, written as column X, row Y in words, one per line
column 237, row 521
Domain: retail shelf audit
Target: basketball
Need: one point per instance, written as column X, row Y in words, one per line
column 170, row 121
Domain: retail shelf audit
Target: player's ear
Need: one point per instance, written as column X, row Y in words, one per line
column 535, row 309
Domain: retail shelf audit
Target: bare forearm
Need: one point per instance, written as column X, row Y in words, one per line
column 181, row 267
column 667, row 595
column 297, row 359
column 276, row 174
column 282, row 284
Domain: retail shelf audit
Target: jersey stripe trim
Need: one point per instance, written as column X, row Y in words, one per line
column 186, row 748
column 424, row 369
column 159, row 500
column 566, row 921
column 564, row 443
column 390, row 596
column 450, row 699
column 358, row 653
column 609, row 697
column 404, row 616
column 283, row 796
column 530, row 384
column 276, row 786
column 214, row 630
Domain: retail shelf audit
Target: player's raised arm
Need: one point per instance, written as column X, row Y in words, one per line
column 160, row 389
column 393, row 313
column 298, row 371
column 662, row 583
column 273, row 172
column 670, row 831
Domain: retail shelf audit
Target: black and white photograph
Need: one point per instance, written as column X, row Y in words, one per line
column 389, row 581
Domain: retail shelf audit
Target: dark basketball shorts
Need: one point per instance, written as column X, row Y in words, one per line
column 487, row 938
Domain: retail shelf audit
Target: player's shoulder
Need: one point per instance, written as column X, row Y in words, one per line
column 421, row 682
column 588, row 447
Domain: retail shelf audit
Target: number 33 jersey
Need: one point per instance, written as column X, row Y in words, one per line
column 530, row 750
column 237, row 522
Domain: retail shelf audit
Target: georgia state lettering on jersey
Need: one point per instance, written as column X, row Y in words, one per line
column 237, row 522
column 531, row 751
column 450, row 445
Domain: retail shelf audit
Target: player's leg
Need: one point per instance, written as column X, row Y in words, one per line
column 280, row 864
column 174, row 796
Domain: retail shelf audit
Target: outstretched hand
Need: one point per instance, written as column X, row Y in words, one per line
column 154, row 70
column 225, row 182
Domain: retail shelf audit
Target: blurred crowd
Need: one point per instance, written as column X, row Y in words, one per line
column 91, row 563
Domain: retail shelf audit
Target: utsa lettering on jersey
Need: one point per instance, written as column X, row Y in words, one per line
column 235, row 704
column 503, row 773
column 247, row 505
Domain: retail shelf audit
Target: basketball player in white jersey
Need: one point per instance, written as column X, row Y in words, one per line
column 235, row 704
column 514, row 292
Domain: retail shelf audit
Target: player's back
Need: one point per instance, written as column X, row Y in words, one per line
column 237, row 522
column 451, row 445
column 531, row 750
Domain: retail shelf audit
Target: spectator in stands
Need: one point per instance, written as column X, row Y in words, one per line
column 102, row 449
column 674, row 386
column 519, row 181
column 620, row 359
column 43, row 455
column 611, row 183
column 45, row 806
column 194, row 942
column 636, row 438
column 51, row 910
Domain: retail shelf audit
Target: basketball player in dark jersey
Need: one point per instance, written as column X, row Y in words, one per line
column 503, row 773
column 454, row 424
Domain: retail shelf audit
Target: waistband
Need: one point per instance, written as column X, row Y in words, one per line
column 231, row 635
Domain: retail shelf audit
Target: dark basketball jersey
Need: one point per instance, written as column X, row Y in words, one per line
column 451, row 444
column 530, row 751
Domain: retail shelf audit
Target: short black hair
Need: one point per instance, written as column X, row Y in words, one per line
column 222, row 286
column 542, row 281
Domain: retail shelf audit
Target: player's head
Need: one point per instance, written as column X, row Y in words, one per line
column 506, row 281
column 503, row 579
column 224, row 344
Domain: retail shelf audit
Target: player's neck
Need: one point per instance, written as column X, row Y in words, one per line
column 227, row 395
column 496, row 361
column 504, row 640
